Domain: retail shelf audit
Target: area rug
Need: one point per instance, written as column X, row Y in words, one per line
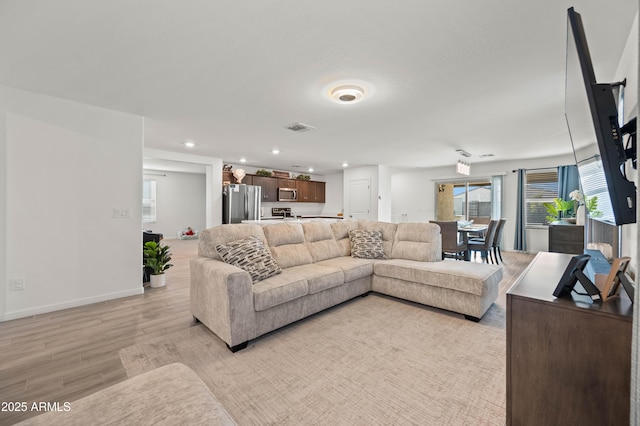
column 370, row 361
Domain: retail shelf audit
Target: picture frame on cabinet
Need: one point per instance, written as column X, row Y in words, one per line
column 611, row 285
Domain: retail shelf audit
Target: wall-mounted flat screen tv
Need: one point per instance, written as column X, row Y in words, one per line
column 594, row 116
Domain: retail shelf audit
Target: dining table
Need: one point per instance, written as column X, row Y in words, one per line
column 464, row 232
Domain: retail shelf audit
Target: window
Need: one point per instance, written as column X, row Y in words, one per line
column 148, row 200
column 541, row 187
column 472, row 199
column 477, row 200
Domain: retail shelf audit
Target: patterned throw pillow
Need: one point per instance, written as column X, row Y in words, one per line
column 250, row 254
column 366, row 244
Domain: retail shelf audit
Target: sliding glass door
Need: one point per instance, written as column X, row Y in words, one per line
column 478, row 199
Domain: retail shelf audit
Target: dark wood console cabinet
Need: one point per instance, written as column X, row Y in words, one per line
column 566, row 238
column 568, row 359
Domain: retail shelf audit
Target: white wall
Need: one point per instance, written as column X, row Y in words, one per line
column 384, row 194
column 334, row 194
column 3, row 209
column 68, row 167
column 180, row 202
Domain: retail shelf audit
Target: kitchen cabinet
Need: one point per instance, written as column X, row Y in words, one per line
column 311, row 191
column 286, row 183
column 568, row 358
column 320, row 192
column 308, row 191
column 269, row 187
column 228, row 177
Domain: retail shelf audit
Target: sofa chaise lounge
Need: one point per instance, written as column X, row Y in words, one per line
column 317, row 269
column 169, row 395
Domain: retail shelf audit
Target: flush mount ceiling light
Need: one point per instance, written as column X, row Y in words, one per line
column 347, row 94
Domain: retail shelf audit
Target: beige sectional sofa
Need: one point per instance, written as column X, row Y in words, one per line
column 169, row 395
column 318, row 272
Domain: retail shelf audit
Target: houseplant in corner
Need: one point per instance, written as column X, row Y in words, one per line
column 156, row 257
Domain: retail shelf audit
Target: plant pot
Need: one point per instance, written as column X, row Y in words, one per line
column 159, row 280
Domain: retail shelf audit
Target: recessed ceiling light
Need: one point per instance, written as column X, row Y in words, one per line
column 310, row 169
column 347, row 94
column 299, row 127
column 275, row 151
column 345, row 164
column 243, row 160
column 189, row 143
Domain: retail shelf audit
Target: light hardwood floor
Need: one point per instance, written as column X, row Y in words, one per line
column 64, row 355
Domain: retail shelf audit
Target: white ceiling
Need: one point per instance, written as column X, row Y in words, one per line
column 486, row 77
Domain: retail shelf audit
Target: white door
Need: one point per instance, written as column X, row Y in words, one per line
column 360, row 199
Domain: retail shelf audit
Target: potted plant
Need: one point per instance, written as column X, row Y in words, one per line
column 559, row 211
column 156, row 257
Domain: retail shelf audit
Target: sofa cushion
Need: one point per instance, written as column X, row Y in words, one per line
column 417, row 241
column 279, row 289
column 366, row 244
column 287, row 245
column 320, row 242
column 352, row 268
column 341, row 235
column 319, row 277
column 388, row 232
column 251, row 255
column 468, row 277
column 224, row 234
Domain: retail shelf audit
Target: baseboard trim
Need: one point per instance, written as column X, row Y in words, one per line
column 8, row 316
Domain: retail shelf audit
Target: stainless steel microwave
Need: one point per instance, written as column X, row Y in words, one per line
column 287, row 194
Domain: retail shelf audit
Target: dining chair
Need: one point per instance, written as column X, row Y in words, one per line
column 485, row 245
column 497, row 240
column 451, row 246
column 479, row 220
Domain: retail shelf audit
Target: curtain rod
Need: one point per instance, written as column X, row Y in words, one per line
column 596, row 156
column 543, row 168
column 537, row 168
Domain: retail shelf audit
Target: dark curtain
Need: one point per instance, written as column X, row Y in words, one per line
column 568, row 181
column 520, row 240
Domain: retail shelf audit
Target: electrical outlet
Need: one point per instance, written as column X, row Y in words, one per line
column 17, row 284
column 122, row 213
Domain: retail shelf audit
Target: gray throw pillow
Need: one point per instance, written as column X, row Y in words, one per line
column 366, row 244
column 251, row 255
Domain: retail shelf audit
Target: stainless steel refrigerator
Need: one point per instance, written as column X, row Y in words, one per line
column 241, row 202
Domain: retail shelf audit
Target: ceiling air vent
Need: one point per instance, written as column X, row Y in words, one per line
column 299, row 127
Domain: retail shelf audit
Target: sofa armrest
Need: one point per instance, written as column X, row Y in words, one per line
column 222, row 299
